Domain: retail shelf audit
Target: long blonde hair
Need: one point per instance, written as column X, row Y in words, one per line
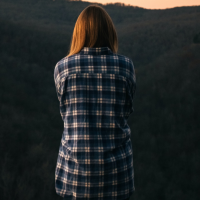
column 93, row 28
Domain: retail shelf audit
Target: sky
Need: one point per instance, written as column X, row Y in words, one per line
column 152, row 4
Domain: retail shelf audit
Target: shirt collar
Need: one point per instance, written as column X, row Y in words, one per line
column 96, row 51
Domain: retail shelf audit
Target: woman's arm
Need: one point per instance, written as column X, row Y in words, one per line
column 57, row 81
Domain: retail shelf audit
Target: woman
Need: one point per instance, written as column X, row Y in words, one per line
column 95, row 88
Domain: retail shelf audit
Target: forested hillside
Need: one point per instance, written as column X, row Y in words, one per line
column 164, row 46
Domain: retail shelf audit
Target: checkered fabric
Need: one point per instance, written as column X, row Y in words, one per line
column 95, row 88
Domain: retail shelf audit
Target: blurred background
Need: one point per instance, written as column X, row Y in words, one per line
column 164, row 45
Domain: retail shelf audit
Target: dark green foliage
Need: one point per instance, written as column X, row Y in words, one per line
column 165, row 126
column 196, row 38
column 163, row 44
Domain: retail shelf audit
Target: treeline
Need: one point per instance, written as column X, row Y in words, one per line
column 165, row 126
column 30, row 123
column 164, row 47
column 144, row 34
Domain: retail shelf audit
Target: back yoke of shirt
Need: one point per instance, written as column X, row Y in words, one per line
column 95, row 89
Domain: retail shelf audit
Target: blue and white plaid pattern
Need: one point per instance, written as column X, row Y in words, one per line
column 95, row 88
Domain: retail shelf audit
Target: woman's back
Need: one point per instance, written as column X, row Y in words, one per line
column 95, row 88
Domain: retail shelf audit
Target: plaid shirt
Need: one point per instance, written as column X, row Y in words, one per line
column 95, row 88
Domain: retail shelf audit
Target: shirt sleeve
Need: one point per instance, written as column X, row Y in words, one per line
column 131, row 87
column 57, row 82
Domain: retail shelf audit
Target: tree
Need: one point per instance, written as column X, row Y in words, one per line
column 196, row 38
